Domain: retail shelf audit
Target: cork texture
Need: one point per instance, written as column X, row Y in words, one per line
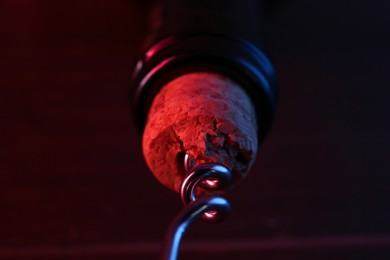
column 206, row 115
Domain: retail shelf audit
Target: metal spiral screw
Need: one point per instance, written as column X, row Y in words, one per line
column 210, row 208
column 213, row 178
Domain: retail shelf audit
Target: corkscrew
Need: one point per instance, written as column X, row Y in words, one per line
column 214, row 179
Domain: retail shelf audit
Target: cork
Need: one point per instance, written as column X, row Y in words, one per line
column 206, row 115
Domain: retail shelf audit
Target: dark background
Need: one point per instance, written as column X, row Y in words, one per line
column 73, row 183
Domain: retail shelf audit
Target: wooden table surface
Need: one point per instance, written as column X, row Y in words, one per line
column 73, row 182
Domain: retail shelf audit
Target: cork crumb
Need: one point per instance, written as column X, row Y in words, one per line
column 205, row 115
